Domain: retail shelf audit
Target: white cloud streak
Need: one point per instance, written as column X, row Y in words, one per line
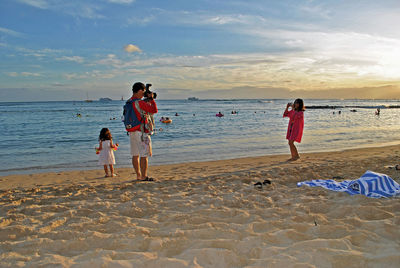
column 22, row 74
column 76, row 59
column 11, row 32
column 42, row 4
column 78, row 9
column 122, row 2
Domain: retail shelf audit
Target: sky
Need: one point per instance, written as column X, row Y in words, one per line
column 74, row 49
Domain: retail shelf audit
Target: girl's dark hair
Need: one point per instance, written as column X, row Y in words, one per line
column 105, row 134
column 301, row 105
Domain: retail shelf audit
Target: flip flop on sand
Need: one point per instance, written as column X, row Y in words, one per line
column 266, row 182
column 258, row 185
column 396, row 167
column 146, row 179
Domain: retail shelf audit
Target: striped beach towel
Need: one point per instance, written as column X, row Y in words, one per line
column 371, row 184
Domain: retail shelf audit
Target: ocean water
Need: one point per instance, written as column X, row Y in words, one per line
column 49, row 136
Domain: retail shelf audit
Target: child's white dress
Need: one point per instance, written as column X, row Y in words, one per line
column 106, row 156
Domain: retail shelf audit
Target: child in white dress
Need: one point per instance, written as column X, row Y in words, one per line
column 106, row 155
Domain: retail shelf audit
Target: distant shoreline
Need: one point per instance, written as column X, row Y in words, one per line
column 186, row 99
column 352, row 106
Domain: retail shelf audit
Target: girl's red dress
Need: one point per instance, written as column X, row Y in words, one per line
column 296, row 125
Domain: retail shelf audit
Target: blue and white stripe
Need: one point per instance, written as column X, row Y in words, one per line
column 371, row 184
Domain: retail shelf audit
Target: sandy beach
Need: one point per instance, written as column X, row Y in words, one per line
column 203, row 214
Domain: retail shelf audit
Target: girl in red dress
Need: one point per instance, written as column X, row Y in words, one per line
column 296, row 125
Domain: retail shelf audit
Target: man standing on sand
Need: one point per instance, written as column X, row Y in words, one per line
column 139, row 133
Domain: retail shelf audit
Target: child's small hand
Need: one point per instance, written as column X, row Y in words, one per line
column 115, row 147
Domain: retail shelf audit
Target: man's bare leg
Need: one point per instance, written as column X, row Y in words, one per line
column 143, row 166
column 135, row 164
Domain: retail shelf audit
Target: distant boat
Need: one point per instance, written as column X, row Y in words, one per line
column 105, row 99
column 193, row 98
column 87, row 98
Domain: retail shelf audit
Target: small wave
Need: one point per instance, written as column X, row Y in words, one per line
column 50, row 168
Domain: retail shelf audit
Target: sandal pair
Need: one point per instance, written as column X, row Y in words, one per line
column 147, row 179
column 260, row 184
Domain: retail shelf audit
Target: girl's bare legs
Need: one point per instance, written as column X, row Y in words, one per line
column 112, row 170
column 106, row 170
column 293, row 151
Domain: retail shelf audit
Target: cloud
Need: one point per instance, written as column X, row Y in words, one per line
column 12, row 74
column 248, row 92
column 306, row 47
column 86, row 11
column 22, row 74
column 226, row 19
column 11, row 32
column 310, row 69
column 93, row 74
column 102, row 88
column 368, row 92
column 140, row 21
column 79, row 9
column 110, row 60
column 30, row 74
column 40, row 94
column 44, row 53
column 123, row 2
column 77, row 59
column 57, row 84
column 316, row 10
column 42, row 4
column 132, row 48
column 318, row 66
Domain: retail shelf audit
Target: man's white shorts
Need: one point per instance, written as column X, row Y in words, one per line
column 139, row 147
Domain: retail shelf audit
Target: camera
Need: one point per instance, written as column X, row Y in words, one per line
column 147, row 93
